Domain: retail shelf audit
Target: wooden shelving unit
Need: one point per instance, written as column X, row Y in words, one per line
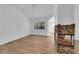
column 65, row 35
column 71, row 40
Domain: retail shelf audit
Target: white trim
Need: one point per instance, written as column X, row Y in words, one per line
column 18, row 37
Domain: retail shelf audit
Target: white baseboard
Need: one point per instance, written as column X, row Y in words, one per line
column 16, row 38
column 40, row 34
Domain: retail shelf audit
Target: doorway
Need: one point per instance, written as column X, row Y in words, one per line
column 51, row 26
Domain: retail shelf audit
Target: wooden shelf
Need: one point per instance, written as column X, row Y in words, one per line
column 64, row 31
column 66, row 45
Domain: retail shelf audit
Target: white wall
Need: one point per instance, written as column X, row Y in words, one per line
column 56, row 14
column 38, row 12
column 76, row 22
column 13, row 24
column 65, row 14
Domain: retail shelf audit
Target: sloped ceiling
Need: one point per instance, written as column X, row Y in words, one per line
column 37, row 10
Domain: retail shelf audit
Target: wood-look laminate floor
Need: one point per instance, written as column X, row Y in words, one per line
column 77, row 47
column 32, row 44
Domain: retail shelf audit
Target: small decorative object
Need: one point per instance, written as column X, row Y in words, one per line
column 39, row 25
